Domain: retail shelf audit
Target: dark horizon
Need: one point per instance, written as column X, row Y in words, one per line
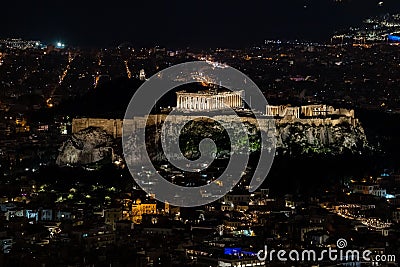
column 208, row 24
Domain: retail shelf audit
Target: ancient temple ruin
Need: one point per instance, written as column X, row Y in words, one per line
column 205, row 100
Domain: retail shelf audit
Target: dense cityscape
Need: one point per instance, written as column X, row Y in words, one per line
column 67, row 197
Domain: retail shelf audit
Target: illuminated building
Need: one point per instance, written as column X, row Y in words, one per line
column 142, row 75
column 139, row 208
column 21, row 125
column 203, row 101
column 369, row 189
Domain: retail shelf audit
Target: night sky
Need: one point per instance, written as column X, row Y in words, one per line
column 182, row 23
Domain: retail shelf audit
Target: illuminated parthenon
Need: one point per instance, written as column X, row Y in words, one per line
column 204, row 101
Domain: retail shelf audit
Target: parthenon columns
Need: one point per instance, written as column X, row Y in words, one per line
column 207, row 101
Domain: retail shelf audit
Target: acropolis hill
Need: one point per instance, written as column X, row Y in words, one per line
column 305, row 129
column 313, row 115
column 315, row 129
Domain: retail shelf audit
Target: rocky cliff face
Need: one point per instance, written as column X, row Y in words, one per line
column 87, row 146
column 307, row 137
column 302, row 137
column 292, row 138
column 335, row 139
